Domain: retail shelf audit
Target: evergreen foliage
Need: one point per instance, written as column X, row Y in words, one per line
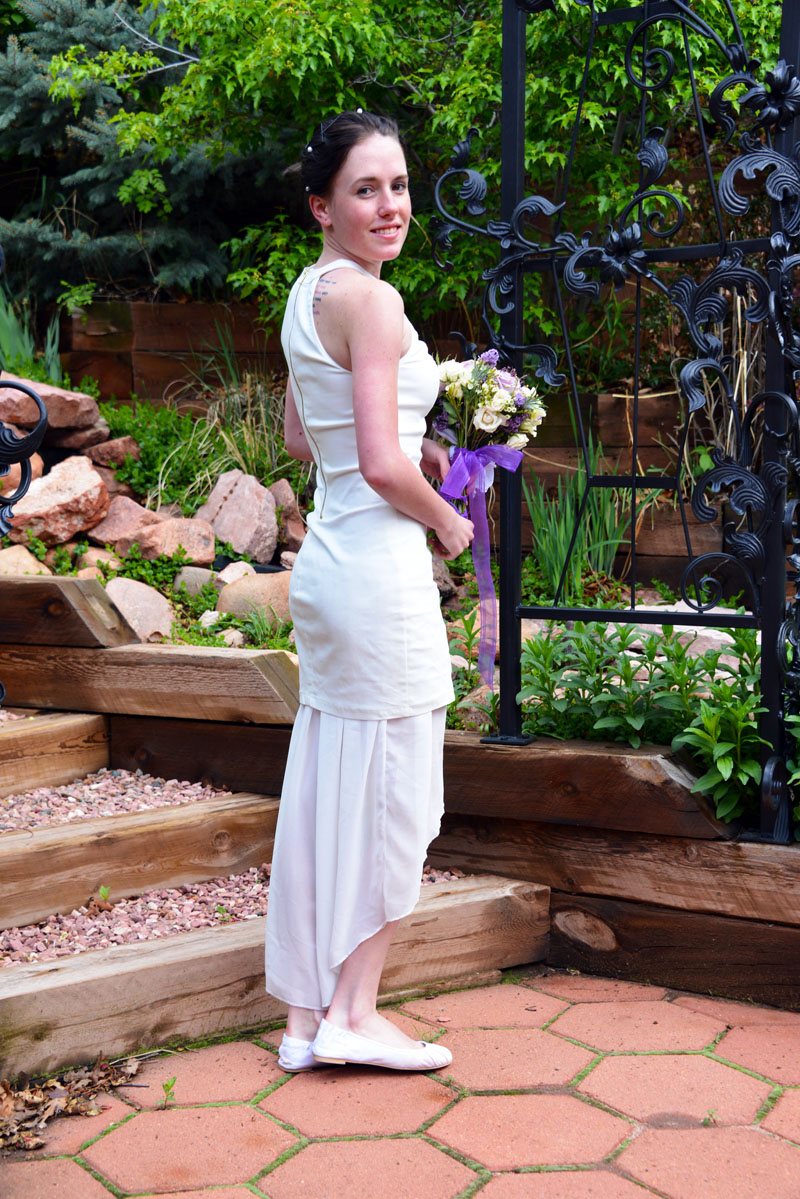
column 73, row 208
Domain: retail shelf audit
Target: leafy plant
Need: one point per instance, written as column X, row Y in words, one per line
column 157, row 572
column 597, row 683
column 168, row 1088
column 264, row 630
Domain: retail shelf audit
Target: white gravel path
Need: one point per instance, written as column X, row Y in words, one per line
column 105, row 793
column 153, row 914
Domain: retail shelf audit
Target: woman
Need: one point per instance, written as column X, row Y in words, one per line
column 362, row 795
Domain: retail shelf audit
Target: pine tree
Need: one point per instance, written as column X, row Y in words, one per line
column 72, row 208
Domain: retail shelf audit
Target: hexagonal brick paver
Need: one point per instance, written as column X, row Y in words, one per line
column 737, row 1015
column 505, row 1131
column 771, row 1050
column 562, row 1184
column 217, row 1074
column 715, row 1163
column 66, row 1134
column 486, row 1059
column 223, row 1193
column 637, row 1026
column 368, row 1169
column 488, row 1007
column 185, row 1148
column 785, row 1116
column 674, row 1090
column 584, row 987
column 346, row 1102
column 48, row 1180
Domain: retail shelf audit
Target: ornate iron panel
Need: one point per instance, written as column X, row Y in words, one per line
column 647, row 250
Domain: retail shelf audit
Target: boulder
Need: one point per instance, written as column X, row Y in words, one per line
column 90, row 572
column 269, row 593
column 94, row 556
column 10, row 482
column 17, row 560
column 70, row 499
column 65, row 409
column 165, row 536
column 114, row 453
column 234, row 571
column 115, row 487
column 193, row 578
column 242, row 512
column 124, row 521
column 209, row 618
column 233, row 637
column 288, row 559
column 146, row 610
column 291, row 526
column 79, row 439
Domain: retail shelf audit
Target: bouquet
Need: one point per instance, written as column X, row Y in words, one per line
column 479, row 404
column 486, row 415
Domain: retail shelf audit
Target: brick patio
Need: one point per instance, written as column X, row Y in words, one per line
column 562, row 1087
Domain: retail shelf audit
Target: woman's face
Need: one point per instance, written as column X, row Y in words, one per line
column 367, row 211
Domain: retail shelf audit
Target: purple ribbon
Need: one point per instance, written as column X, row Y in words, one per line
column 470, row 476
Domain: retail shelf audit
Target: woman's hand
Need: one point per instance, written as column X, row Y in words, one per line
column 452, row 536
column 435, row 459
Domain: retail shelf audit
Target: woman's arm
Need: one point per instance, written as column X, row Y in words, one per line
column 296, row 442
column 375, row 347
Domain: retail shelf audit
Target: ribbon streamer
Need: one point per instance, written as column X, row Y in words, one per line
column 470, row 476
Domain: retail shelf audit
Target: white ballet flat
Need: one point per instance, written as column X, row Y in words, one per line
column 338, row 1047
column 295, row 1055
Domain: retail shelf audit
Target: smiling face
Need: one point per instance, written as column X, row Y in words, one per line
column 366, row 214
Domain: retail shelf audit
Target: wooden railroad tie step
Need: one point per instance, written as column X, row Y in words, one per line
column 192, row 682
column 57, row 868
column 116, row 1001
column 60, row 611
column 49, row 750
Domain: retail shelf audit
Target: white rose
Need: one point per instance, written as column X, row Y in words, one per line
column 486, row 420
column 501, row 401
column 449, row 370
column 517, row 442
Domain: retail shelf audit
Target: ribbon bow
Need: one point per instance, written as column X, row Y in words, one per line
column 470, row 476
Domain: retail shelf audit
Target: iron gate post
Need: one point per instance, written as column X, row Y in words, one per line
column 512, row 190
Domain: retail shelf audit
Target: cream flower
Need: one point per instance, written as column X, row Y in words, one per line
column 486, row 420
column 517, row 442
column 531, row 424
column 502, row 401
column 450, row 371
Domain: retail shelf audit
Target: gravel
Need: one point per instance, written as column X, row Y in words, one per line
column 105, row 793
column 150, row 916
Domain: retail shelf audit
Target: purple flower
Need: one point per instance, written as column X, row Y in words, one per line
column 519, row 400
column 507, row 379
column 514, row 422
column 440, row 422
column 490, row 357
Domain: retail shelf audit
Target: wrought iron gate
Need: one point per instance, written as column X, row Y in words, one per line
column 642, row 245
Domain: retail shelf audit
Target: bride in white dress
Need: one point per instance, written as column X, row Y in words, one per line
column 362, row 794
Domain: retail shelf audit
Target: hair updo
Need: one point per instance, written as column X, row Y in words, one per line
column 332, row 141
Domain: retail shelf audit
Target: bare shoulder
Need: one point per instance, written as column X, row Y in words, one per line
column 354, row 289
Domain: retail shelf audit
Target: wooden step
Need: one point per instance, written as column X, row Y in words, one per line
column 592, row 784
column 188, row 681
column 49, row 750
column 57, row 868
column 131, row 997
column 60, row 611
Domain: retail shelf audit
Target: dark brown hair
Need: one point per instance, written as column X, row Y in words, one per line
column 332, row 141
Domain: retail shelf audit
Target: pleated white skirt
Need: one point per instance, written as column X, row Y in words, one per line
column 361, row 802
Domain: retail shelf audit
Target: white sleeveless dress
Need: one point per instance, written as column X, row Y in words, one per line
column 362, row 793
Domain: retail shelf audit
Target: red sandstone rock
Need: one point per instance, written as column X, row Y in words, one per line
column 114, row 453
column 164, row 537
column 242, row 512
column 146, row 610
column 17, row 560
column 65, row 409
column 70, row 499
column 292, row 527
column 113, row 484
column 124, row 521
column 234, row 571
column 269, row 593
column 79, row 439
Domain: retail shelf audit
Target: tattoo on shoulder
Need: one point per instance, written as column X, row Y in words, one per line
column 320, row 291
